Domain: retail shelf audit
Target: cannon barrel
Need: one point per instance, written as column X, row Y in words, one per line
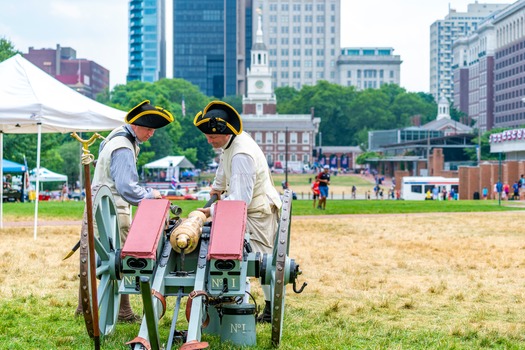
column 185, row 237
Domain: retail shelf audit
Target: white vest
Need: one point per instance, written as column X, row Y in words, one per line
column 264, row 193
column 102, row 175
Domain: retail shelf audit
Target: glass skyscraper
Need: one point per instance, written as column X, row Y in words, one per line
column 210, row 44
column 147, row 40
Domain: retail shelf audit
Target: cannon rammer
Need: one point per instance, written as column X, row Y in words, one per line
column 165, row 256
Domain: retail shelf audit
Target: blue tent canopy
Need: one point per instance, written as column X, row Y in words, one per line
column 12, row 167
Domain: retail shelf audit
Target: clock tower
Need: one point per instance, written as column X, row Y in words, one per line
column 259, row 98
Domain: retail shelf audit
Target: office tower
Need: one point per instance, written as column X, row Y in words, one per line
column 443, row 33
column 82, row 75
column 210, row 44
column 368, row 67
column 509, row 67
column 147, row 40
column 303, row 40
column 473, row 71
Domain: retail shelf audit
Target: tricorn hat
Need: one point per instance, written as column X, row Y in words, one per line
column 219, row 118
column 148, row 116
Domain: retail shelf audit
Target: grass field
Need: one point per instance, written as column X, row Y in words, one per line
column 389, row 275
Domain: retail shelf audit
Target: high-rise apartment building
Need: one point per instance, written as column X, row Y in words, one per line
column 473, row 72
column 368, row 67
column 489, row 68
column 303, row 40
column 147, row 40
column 210, row 43
column 443, row 34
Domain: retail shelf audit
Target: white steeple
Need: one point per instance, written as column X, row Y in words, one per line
column 443, row 108
column 259, row 76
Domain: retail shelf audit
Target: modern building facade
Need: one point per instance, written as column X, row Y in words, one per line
column 147, row 40
column 210, row 41
column 489, row 69
column 443, row 34
column 303, row 40
column 82, row 75
column 368, row 67
column 473, row 72
column 509, row 67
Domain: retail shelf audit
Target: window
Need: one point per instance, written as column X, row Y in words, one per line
column 281, row 138
column 269, row 137
column 258, row 137
column 293, row 137
column 306, row 138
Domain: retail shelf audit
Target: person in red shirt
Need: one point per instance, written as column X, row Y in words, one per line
column 315, row 191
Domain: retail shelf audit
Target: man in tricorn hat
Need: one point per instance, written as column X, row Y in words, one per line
column 116, row 168
column 243, row 174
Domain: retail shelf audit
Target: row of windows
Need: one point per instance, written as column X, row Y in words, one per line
column 510, row 118
column 501, row 64
column 281, row 137
column 371, row 73
column 297, row 7
column 297, row 41
column 297, row 19
column 510, row 72
column 308, row 75
column 292, row 157
column 297, row 52
column 298, row 30
column 510, row 49
column 509, row 84
column 306, row 63
column 510, row 106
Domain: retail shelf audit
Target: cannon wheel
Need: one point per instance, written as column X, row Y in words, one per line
column 280, row 253
column 107, row 251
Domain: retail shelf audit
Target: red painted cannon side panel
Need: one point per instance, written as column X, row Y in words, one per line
column 227, row 231
column 146, row 229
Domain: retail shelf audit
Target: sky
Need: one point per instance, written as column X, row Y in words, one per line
column 98, row 30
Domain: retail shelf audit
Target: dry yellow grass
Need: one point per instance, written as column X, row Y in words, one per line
column 451, row 272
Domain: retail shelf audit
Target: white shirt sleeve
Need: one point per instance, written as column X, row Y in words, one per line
column 242, row 180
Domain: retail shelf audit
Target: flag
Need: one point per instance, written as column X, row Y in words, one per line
column 174, row 182
column 183, row 105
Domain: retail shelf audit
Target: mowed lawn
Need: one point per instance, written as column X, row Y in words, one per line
column 381, row 275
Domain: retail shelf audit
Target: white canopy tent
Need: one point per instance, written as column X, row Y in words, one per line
column 171, row 165
column 33, row 102
column 46, row 175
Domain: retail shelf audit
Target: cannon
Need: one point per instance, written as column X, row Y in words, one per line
column 165, row 256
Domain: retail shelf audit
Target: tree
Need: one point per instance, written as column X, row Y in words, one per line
column 7, row 49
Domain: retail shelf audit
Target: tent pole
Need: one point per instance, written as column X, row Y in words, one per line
column 2, row 179
column 38, row 145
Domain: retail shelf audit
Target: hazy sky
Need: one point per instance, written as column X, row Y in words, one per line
column 98, row 30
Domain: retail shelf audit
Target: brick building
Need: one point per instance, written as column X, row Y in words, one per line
column 82, row 75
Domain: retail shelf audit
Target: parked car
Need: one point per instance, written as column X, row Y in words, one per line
column 176, row 195
column 11, row 195
column 203, row 195
column 76, row 195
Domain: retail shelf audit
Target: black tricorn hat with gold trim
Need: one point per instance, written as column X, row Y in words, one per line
column 148, row 116
column 219, row 118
